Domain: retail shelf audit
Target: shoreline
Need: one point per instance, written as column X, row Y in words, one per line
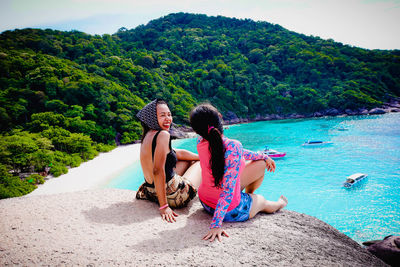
column 184, row 132
column 98, row 172
column 92, row 174
column 392, row 107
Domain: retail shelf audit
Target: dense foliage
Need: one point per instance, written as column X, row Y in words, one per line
column 64, row 94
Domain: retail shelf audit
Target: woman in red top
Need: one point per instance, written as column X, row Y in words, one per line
column 225, row 174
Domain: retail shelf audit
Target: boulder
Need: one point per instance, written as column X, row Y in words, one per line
column 177, row 133
column 376, row 111
column 295, row 116
column 387, row 249
column 350, row 112
column 318, row 114
column 230, row 116
column 332, row 112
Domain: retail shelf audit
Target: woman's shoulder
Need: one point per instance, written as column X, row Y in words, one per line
column 164, row 133
column 161, row 138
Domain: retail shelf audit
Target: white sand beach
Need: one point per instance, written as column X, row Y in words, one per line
column 92, row 174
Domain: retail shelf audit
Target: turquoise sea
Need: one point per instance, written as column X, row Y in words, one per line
column 312, row 178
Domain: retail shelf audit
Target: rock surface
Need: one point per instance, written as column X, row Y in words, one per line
column 110, row 227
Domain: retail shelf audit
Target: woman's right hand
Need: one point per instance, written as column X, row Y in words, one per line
column 168, row 215
column 270, row 164
column 215, row 233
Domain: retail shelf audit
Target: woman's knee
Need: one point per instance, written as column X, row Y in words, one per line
column 182, row 166
column 261, row 165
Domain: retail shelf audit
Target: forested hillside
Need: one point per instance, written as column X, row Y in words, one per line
column 64, row 96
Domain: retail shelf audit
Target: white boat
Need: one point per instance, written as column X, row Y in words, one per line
column 316, row 143
column 354, row 179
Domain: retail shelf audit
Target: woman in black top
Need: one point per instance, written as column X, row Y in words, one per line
column 172, row 176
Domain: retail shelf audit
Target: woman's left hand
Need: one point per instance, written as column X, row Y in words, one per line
column 270, row 164
column 215, row 232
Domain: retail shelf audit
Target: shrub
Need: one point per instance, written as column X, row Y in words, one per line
column 13, row 186
column 35, row 179
column 56, row 170
column 104, row 147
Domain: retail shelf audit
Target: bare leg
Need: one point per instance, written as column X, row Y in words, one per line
column 193, row 174
column 252, row 175
column 182, row 166
column 260, row 204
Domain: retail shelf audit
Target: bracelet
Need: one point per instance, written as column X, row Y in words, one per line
column 163, row 207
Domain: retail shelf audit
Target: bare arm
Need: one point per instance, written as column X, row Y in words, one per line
column 160, row 155
column 183, row 154
column 250, row 155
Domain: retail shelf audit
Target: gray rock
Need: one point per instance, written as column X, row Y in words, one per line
column 332, row 112
column 387, row 249
column 350, row 112
column 376, row 111
column 229, row 116
column 295, row 116
column 178, row 133
column 318, row 114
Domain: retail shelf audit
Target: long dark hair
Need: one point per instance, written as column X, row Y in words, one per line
column 206, row 121
column 146, row 128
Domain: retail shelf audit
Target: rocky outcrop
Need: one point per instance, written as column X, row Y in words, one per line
column 387, row 249
column 110, row 227
column 376, row 111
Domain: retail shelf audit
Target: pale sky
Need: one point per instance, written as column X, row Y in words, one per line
column 371, row 24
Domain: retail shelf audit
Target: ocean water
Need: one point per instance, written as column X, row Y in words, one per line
column 312, row 177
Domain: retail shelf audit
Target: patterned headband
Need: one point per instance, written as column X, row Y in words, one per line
column 148, row 115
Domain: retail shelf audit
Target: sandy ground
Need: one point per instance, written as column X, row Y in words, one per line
column 72, row 221
column 92, row 174
column 109, row 227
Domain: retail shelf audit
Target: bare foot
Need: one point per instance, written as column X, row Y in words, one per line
column 283, row 201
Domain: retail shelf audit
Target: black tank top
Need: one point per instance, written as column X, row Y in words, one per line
column 170, row 162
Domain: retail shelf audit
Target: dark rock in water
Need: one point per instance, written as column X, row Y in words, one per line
column 332, row 112
column 258, row 118
column 376, row 111
column 350, row 112
column 363, row 111
column 317, row 114
column 177, row 133
column 387, row 249
column 295, row 116
column 230, row 115
column 390, row 109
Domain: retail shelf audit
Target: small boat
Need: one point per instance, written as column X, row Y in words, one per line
column 273, row 153
column 354, row 179
column 316, row 143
